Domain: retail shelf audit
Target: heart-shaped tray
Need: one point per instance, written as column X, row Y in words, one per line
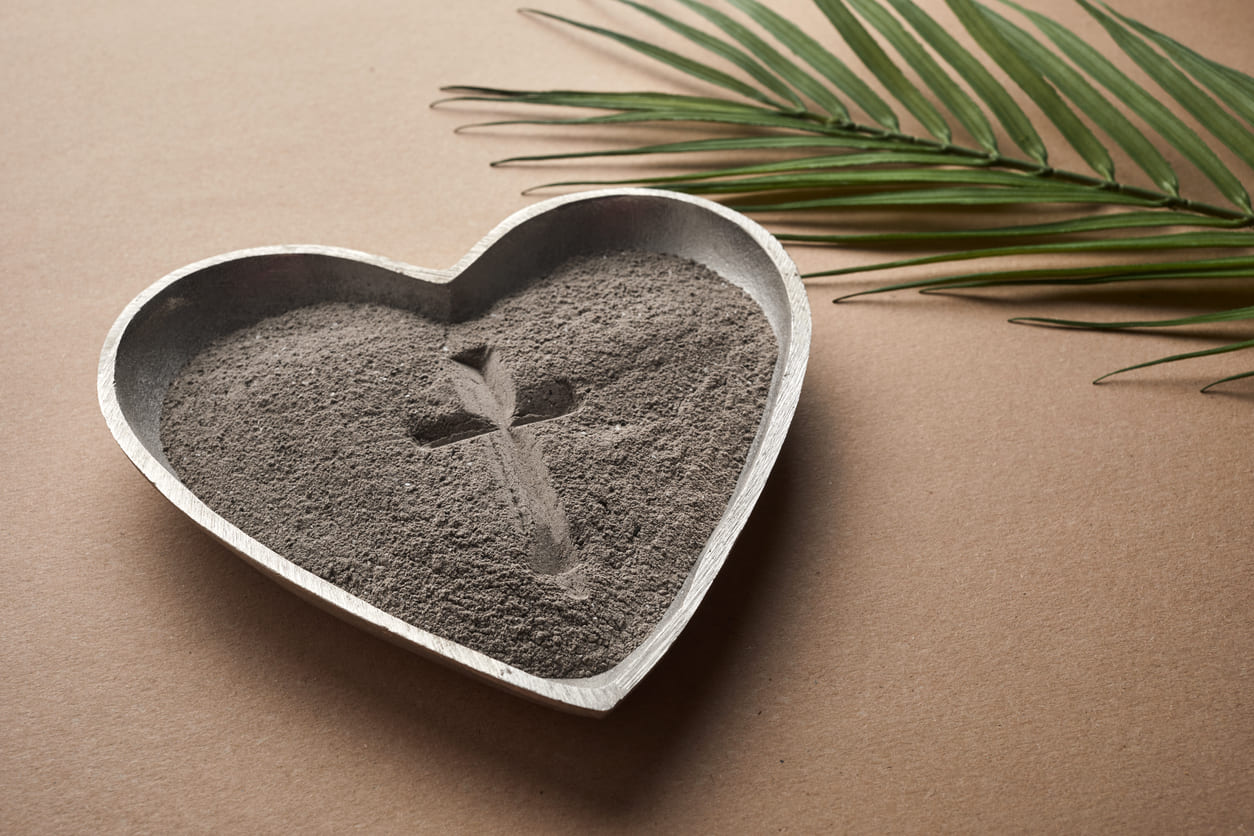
column 174, row 319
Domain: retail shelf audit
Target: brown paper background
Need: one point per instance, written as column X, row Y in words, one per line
column 979, row 594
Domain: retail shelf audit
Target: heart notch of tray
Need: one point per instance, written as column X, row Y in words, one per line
column 179, row 316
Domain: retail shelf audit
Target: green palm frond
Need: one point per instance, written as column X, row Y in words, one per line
column 827, row 135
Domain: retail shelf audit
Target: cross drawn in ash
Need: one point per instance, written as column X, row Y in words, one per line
column 494, row 407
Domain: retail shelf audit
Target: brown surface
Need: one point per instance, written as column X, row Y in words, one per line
column 979, row 594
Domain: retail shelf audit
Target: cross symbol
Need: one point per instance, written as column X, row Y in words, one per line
column 494, row 408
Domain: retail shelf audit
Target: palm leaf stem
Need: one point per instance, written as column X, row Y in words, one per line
column 1074, row 226
column 1144, row 243
column 731, row 112
column 1052, row 279
column 1228, row 267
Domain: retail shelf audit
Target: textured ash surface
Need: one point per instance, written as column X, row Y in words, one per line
column 313, row 431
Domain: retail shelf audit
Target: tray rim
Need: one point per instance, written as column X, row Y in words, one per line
column 595, row 695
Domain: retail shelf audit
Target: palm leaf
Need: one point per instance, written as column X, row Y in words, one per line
column 889, row 74
column 1189, row 355
column 1141, row 102
column 964, row 109
column 1220, row 123
column 807, row 172
column 1144, row 243
column 1217, row 268
column 719, row 182
column 1231, row 315
column 724, row 144
column 635, row 101
column 988, row 35
column 1095, row 106
column 747, row 116
column 999, row 100
column 1234, row 89
column 827, row 165
column 1070, row 227
column 1019, row 193
column 1061, row 278
column 827, row 64
column 721, row 48
column 696, row 69
column 802, row 81
column 1228, row 379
